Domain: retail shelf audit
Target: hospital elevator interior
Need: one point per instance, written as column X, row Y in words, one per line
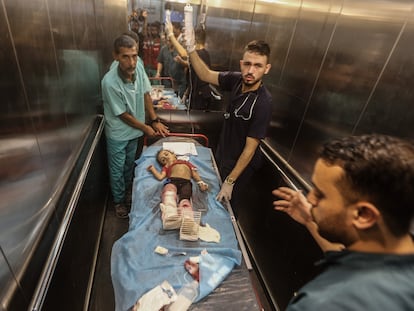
column 339, row 67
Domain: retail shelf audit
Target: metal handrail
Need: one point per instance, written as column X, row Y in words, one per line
column 289, row 168
column 47, row 273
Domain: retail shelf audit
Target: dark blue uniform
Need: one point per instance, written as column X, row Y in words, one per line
column 359, row 281
column 247, row 115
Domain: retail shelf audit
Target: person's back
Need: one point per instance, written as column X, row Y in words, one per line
column 360, row 281
column 164, row 61
column 178, row 67
column 200, row 91
column 151, row 48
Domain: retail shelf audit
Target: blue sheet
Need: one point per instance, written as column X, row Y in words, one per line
column 136, row 269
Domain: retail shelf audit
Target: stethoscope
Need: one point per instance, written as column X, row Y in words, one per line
column 236, row 111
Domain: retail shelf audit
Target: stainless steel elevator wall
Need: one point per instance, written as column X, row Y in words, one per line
column 338, row 67
column 52, row 56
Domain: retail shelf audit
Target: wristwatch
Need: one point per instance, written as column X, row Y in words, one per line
column 229, row 180
column 155, row 120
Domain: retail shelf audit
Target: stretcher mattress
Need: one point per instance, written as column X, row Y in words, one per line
column 136, row 268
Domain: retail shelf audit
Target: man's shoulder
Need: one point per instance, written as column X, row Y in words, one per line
column 229, row 78
column 111, row 76
column 113, row 70
column 164, row 52
column 358, row 290
column 231, row 74
column 264, row 92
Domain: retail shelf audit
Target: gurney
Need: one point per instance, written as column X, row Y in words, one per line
column 163, row 95
column 137, row 269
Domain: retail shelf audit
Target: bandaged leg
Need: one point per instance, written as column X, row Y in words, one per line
column 185, row 205
column 190, row 225
column 170, row 214
column 169, row 195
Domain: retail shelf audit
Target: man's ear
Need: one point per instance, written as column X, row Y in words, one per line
column 268, row 66
column 366, row 215
column 114, row 55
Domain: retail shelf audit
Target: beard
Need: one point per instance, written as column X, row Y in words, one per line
column 249, row 80
column 333, row 229
column 128, row 71
column 333, row 236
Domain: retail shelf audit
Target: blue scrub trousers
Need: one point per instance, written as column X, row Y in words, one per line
column 121, row 157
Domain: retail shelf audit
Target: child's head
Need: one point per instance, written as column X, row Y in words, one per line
column 163, row 156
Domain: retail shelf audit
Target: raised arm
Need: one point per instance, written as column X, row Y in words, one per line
column 170, row 34
column 295, row 204
column 201, row 69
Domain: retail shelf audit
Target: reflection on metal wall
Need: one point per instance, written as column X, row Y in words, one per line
column 51, row 65
column 339, row 67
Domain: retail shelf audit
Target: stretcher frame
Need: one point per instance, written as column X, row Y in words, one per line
column 227, row 204
column 236, row 292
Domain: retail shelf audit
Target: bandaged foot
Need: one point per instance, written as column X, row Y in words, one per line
column 208, row 234
column 186, row 208
column 171, row 217
column 190, row 224
column 185, row 205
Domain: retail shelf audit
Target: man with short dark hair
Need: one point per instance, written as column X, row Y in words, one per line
column 151, row 48
column 362, row 200
column 246, row 119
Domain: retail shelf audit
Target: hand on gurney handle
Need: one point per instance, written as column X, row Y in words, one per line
column 149, row 131
column 159, row 128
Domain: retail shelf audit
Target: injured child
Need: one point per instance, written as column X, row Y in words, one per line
column 176, row 207
column 154, row 266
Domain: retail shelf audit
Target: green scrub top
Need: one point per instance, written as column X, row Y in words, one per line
column 121, row 96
